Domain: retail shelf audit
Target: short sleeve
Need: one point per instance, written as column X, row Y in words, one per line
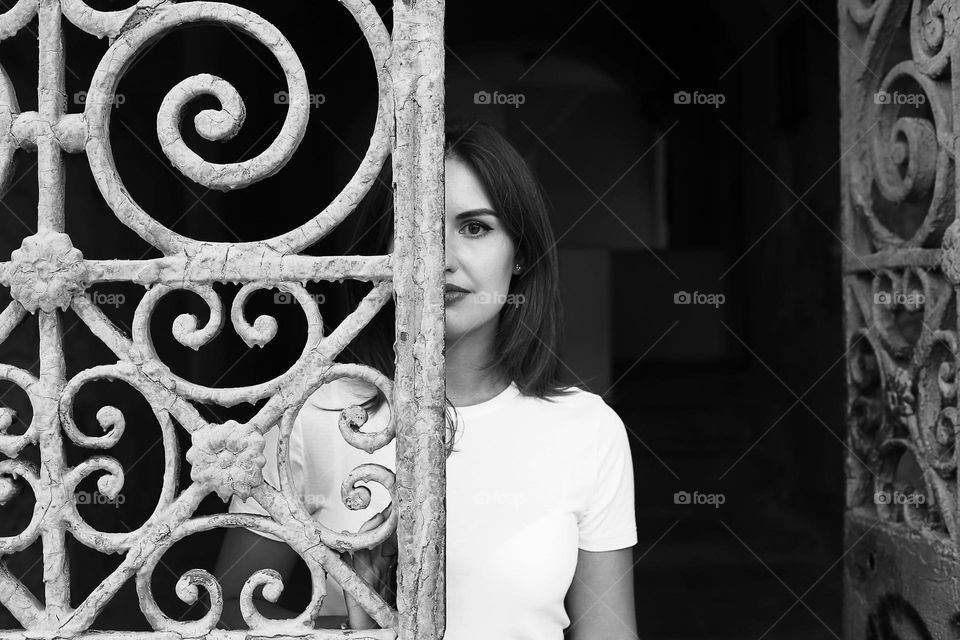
column 609, row 519
column 271, row 473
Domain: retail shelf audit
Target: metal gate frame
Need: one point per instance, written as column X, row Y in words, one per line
column 900, row 102
column 48, row 274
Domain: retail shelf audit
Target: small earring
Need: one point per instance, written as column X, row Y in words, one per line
column 518, row 268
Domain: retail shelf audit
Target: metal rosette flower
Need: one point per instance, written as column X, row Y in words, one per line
column 307, row 534
column 227, row 458
column 315, row 543
column 47, row 272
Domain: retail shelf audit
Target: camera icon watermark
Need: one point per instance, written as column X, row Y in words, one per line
column 696, row 297
column 284, row 297
column 508, row 299
column 696, row 498
column 80, row 98
column 101, row 299
column 899, row 497
column 899, row 98
column 496, row 98
column 696, row 98
column 888, row 298
column 85, row 497
column 315, row 99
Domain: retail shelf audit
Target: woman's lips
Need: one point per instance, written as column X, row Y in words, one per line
column 452, row 296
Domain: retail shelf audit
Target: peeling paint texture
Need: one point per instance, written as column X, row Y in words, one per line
column 418, row 72
column 48, row 275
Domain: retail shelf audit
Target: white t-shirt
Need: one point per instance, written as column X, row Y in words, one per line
column 529, row 483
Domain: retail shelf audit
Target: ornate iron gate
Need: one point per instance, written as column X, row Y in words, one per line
column 48, row 274
column 900, row 98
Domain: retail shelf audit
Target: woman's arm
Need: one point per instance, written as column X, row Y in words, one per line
column 600, row 600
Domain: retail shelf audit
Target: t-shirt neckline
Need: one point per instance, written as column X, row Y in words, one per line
column 509, row 393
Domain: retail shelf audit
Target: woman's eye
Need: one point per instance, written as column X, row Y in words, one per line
column 478, row 226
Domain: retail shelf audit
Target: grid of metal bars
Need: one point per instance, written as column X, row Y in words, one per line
column 901, row 269
column 47, row 274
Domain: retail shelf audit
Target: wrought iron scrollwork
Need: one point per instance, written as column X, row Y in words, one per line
column 47, row 274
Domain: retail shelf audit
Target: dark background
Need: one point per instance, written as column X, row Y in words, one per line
column 649, row 197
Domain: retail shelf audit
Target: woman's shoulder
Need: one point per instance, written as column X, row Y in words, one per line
column 597, row 424
column 584, row 407
column 576, row 396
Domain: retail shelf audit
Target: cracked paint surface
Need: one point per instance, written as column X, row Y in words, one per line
column 47, row 274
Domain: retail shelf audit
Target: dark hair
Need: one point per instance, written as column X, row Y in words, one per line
column 529, row 334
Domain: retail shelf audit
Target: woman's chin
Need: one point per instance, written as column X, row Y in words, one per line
column 454, row 331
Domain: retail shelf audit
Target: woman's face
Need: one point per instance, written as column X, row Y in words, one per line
column 480, row 255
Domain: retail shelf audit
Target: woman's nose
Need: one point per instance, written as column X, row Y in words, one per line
column 450, row 253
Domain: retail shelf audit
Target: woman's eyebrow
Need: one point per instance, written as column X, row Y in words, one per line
column 475, row 212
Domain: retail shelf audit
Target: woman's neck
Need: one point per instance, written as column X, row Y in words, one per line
column 467, row 383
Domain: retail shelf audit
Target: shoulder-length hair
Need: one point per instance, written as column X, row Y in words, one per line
column 527, row 342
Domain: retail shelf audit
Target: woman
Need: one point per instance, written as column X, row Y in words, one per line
column 540, row 514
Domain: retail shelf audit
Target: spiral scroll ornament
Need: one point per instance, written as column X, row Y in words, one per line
column 47, row 275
